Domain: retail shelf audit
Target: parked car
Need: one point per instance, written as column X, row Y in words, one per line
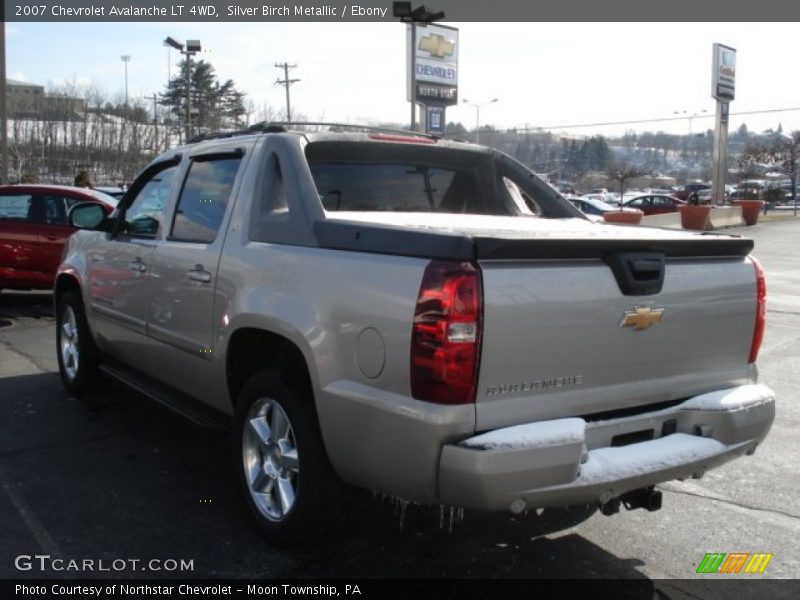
column 591, row 206
column 33, row 229
column 750, row 189
column 418, row 317
column 607, row 197
column 689, row 189
column 565, row 187
column 653, row 204
column 704, row 196
column 112, row 190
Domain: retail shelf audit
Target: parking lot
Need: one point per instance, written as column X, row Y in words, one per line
column 125, row 479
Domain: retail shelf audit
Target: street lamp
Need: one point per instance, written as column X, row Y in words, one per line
column 191, row 48
column 406, row 14
column 126, row 58
column 478, row 116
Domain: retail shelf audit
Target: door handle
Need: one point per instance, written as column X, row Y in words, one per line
column 137, row 265
column 199, row 274
column 51, row 238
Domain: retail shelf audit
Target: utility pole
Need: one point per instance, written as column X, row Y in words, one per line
column 286, row 82
column 154, row 98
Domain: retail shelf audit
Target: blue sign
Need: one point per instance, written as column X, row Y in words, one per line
column 434, row 122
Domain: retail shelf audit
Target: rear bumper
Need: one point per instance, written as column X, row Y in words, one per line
column 570, row 461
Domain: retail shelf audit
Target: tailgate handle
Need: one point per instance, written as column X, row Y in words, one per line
column 638, row 273
column 646, row 269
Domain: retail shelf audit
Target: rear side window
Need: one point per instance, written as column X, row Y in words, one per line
column 45, row 209
column 396, row 188
column 203, row 199
column 15, row 207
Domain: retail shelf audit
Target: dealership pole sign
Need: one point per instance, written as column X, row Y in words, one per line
column 723, row 76
column 433, row 79
column 723, row 87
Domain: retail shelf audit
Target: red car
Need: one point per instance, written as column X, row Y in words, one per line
column 33, row 229
column 655, row 204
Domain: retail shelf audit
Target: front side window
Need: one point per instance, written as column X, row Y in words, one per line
column 204, row 198
column 145, row 213
column 53, row 209
column 638, row 203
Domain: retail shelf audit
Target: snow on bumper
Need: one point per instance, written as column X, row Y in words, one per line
column 570, row 461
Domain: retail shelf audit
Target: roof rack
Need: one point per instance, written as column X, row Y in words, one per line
column 216, row 135
column 339, row 127
column 285, row 126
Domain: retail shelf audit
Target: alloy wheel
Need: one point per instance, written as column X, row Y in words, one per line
column 270, row 459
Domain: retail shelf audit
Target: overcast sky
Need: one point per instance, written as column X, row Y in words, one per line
column 544, row 74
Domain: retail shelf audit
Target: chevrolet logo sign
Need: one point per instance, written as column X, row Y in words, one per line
column 437, row 45
column 641, row 317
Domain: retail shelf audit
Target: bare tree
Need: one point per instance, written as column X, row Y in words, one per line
column 781, row 153
column 623, row 170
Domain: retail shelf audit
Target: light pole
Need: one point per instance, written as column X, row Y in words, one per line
column 192, row 47
column 126, row 58
column 478, row 116
column 406, row 14
column 690, row 116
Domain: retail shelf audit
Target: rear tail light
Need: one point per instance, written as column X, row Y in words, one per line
column 445, row 341
column 761, row 311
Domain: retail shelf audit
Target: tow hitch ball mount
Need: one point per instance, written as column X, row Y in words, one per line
column 648, row 498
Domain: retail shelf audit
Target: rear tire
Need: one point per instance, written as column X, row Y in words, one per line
column 77, row 354
column 283, row 470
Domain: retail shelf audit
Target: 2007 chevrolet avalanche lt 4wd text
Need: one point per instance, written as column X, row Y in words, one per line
column 420, row 317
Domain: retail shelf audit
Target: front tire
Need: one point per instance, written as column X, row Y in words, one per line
column 77, row 355
column 282, row 467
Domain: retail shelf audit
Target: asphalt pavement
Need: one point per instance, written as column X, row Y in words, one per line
column 125, row 479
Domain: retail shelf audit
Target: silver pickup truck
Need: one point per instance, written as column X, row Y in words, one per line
column 419, row 317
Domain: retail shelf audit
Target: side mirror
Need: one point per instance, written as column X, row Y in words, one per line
column 89, row 215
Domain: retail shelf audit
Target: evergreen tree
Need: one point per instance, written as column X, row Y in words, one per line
column 214, row 105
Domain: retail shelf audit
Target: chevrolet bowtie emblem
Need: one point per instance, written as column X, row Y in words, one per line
column 641, row 317
column 436, row 45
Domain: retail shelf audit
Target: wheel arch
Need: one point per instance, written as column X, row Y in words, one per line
column 65, row 281
column 251, row 349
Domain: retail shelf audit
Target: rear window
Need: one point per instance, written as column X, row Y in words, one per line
column 396, row 188
column 15, row 207
column 436, row 178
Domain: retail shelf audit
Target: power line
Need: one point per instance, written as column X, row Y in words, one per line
column 639, row 121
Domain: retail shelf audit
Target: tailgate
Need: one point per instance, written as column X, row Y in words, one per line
column 554, row 344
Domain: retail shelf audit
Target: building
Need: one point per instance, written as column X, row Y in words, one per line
column 24, row 99
column 30, row 101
